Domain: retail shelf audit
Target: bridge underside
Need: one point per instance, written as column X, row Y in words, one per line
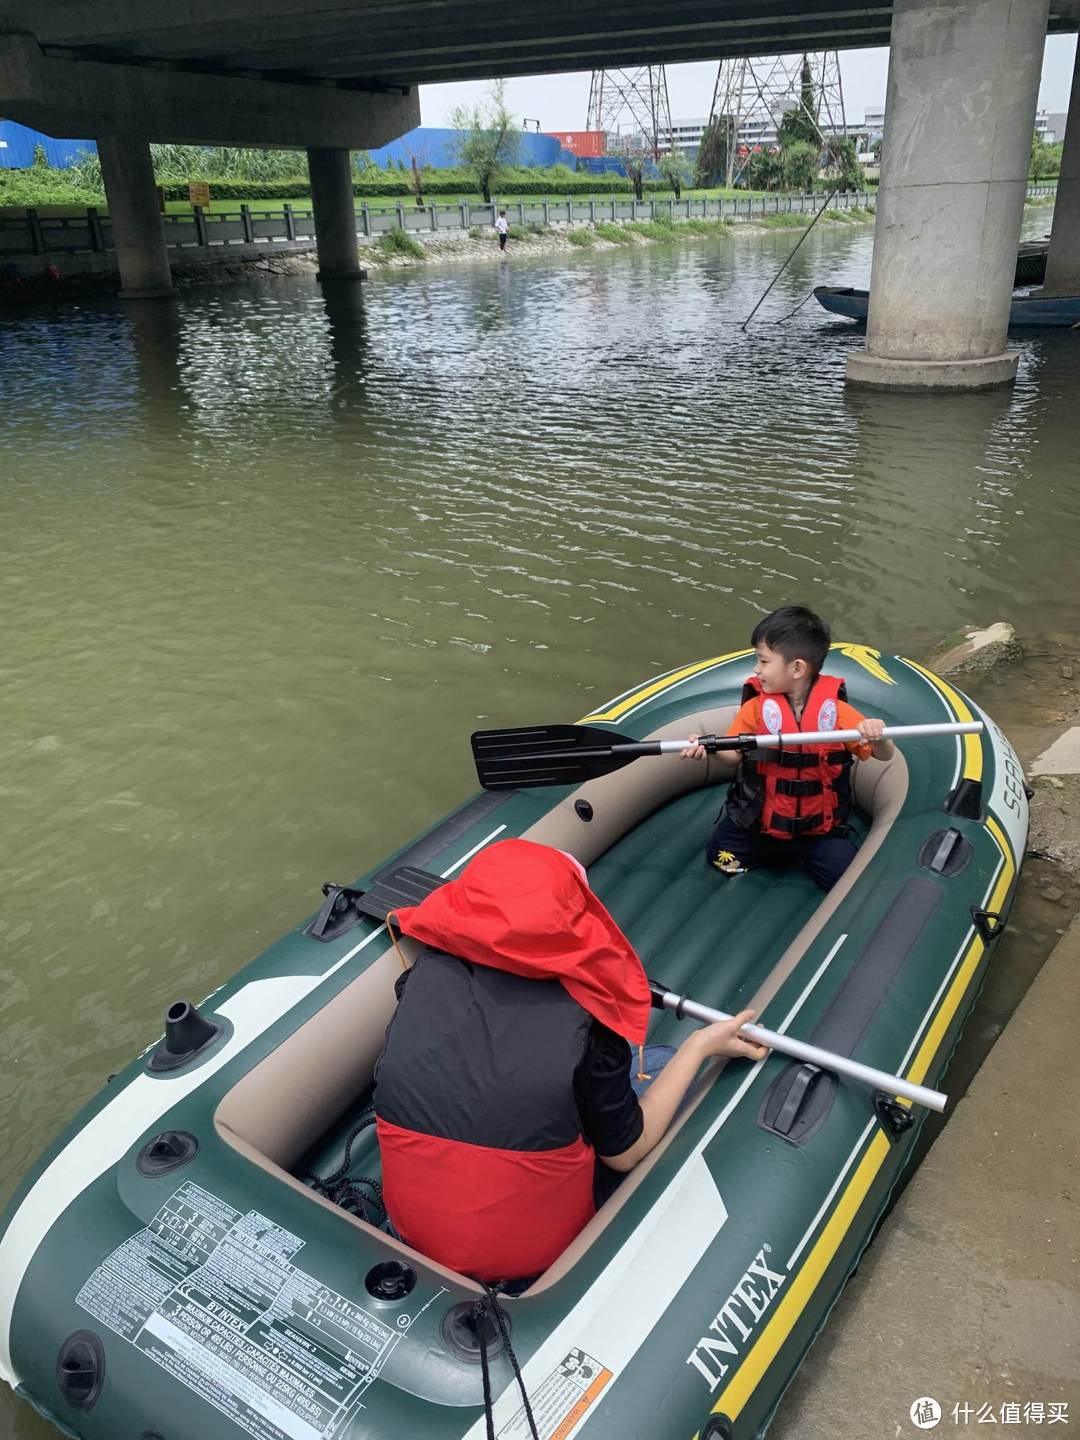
column 373, row 44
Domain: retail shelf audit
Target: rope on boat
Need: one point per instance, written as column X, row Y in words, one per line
column 489, row 1303
column 798, row 307
column 359, row 1195
column 795, row 250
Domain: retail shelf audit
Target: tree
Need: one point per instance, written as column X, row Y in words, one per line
column 844, row 165
column 712, row 156
column 764, row 169
column 801, row 121
column 799, row 165
column 41, row 160
column 635, row 173
column 489, row 139
column 1045, row 159
column 417, row 183
column 675, row 168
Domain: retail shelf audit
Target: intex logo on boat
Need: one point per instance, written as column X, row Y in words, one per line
column 734, row 1322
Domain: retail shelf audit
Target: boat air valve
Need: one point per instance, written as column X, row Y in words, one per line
column 461, row 1331
column 186, row 1033
column 80, row 1369
column 392, row 1280
column 166, row 1152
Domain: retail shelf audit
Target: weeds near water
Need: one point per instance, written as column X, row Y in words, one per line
column 612, row 233
column 783, row 222
column 583, row 239
column 396, row 242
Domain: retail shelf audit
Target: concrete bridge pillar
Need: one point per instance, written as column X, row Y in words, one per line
column 960, row 113
column 135, row 218
column 1063, row 260
column 335, row 214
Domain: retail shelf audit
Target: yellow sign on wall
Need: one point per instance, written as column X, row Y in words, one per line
column 199, row 193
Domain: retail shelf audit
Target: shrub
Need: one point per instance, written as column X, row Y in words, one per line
column 614, row 234
column 783, row 221
column 582, row 238
column 537, row 227
column 653, row 229
column 397, row 242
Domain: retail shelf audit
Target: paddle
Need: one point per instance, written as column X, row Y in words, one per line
column 664, row 999
column 536, row 755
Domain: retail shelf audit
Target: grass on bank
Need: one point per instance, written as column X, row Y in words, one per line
column 396, row 242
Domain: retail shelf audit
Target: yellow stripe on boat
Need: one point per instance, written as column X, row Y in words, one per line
column 866, row 656
column 972, row 743
column 742, row 1385
column 657, row 687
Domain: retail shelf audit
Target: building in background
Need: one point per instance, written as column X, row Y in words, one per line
column 1050, row 125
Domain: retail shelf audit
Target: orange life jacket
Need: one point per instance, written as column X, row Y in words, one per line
column 794, row 792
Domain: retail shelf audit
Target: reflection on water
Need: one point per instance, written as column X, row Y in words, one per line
column 270, row 556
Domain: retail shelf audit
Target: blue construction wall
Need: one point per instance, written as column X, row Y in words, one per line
column 440, row 149
column 17, row 148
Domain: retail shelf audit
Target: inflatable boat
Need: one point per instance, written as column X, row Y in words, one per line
column 175, row 1266
column 1058, row 312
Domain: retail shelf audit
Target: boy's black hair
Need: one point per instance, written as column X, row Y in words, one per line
column 796, row 633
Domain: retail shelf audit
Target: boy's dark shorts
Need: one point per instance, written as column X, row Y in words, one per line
column 823, row 857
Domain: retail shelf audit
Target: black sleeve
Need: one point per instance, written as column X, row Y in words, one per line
column 611, row 1117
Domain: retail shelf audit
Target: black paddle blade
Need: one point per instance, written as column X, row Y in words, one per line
column 546, row 755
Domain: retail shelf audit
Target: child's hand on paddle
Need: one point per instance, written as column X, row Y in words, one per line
column 693, row 751
column 871, row 730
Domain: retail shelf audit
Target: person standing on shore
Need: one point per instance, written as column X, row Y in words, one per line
column 503, row 227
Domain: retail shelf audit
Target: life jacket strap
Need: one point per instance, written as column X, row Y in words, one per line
column 799, row 787
column 795, row 825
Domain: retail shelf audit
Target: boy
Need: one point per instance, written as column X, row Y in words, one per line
column 790, row 807
column 502, row 225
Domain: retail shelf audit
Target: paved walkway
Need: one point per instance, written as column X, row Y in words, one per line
column 970, row 1293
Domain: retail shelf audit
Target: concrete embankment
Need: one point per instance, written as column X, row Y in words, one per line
column 479, row 245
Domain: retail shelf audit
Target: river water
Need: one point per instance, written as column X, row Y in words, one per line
column 268, row 557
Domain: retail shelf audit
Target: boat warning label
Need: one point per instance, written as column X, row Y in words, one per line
column 212, row 1296
column 562, row 1400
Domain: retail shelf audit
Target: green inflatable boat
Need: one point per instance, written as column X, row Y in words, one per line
column 173, row 1269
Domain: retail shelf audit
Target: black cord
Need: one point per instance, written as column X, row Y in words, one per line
column 490, row 1304
column 348, row 1191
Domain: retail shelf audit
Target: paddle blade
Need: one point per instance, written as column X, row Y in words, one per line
column 546, row 755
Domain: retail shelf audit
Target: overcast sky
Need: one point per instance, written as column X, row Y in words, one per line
column 560, row 102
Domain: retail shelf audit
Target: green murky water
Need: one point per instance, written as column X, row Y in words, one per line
column 266, row 558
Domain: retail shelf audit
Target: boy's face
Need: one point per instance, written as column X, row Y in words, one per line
column 777, row 675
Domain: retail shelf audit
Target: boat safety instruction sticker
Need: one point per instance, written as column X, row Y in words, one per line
column 212, row 1296
column 562, row 1400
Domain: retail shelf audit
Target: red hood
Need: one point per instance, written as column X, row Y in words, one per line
column 524, row 908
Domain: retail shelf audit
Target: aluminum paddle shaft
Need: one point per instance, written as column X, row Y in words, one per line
column 713, row 743
column 799, row 1050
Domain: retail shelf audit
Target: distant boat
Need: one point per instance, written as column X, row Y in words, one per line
column 1031, row 262
column 1058, row 311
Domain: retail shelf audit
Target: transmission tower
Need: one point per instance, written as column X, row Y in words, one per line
column 768, row 88
column 632, row 107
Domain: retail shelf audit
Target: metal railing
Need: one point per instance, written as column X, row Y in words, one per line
column 204, row 233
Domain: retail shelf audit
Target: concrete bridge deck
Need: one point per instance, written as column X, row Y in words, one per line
column 403, row 43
